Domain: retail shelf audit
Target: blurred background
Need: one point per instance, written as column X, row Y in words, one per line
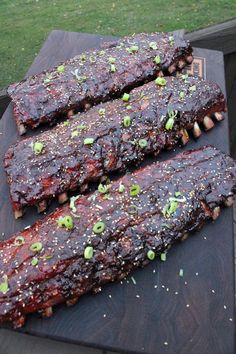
column 25, row 24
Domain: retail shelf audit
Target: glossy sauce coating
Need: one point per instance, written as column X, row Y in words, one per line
column 175, row 197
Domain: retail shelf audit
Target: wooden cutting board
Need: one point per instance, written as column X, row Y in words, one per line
column 161, row 312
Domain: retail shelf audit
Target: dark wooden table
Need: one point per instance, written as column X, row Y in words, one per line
column 202, row 327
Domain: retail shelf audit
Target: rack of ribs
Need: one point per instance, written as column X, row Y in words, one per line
column 102, row 237
column 108, row 138
column 96, row 76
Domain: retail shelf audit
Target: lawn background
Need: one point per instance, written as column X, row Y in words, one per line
column 25, row 24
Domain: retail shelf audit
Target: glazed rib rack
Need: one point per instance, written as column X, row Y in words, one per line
column 101, row 238
column 96, row 76
column 108, row 138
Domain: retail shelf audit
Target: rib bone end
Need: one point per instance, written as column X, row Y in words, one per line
column 18, row 214
column 215, row 213
column 196, row 130
column 189, row 59
column 218, row 116
column 42, row 206
column 47, row 312
column 185, row 136
column 62, row 198
column 72, row 302
column 21, row 129
column 181, row 64
column 172, row 68
column 208, row 123
column 229, row 201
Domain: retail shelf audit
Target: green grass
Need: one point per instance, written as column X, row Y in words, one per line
column 25, row 24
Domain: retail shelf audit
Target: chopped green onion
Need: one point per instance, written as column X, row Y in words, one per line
column 153, row 45
column 181, row 272
column 132, row 209
column 192, row 88
column 66, row 222
column 181, row 95
column 142, row 143
column 112, row 60
column 160, row 81
column 103, row 189
column 134, row 190
column 170, row 208
column 102, row 52
column 83, row 57
column 38, row 147
column 36, row 247
column 176, row 199
column 184, row 77
column 121, row 188
column 88, row 141
column 177, row 194
column 172, row 114
column 133, row 280
column 151, row 255
column 81, row 126
column 171, row 40
column 66, row 123
column 72, row 203
column 127, row 121
column 99, row 227
column 4, row 285
column 163, row 256
column 169, row 124
column 92, row 59
column 80, row 79
column 88, row 252
column 125, row 97
column 132, row 49
column 74, row 133
column 61, row 69
column 19, row 241
column 157, row 59
column 48, row 78
column 34, row 261
column 129, row 107
column 101, row 111
column 113, row 68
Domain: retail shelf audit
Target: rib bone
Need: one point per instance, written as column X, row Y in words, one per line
column 208, row 123
column 196, row 130
column 62, row 198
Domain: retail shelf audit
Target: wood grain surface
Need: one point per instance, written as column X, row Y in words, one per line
column 170, row 314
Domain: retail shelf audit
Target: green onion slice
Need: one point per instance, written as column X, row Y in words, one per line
column 157, row 59
column 102, row 188
column 112, row 60
column 88, row 252
column 72, row 203
column 61, row 69
column 113, row 68
column 101, row 111
column 163, row 256
column 38, row 147
column 134, row 190
column 99, row 227
column 125, row 97
column 74, row 133
column 181, row 95
column 169, row 124
column 192, row 88
column 4, row 285
column 151, row 255
column 153, row 45
column 142, row 143
column 19, row 241
column 34, row 261
column 181, row 272
column 132, row 209
column 160, row 81
column 88, row 141
column 127, row 121
column 121, row 188
column 66, row 222
column 36, row 247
